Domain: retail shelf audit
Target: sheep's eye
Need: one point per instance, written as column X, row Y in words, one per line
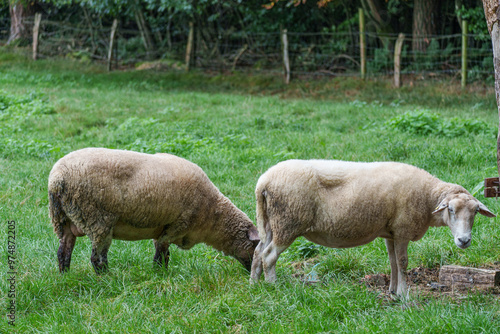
column 451, row 210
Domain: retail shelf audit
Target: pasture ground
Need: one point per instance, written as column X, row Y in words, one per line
column 235, row 127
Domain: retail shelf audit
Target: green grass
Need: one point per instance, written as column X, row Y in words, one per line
column 234, row 127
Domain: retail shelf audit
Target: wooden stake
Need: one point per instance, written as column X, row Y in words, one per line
column 286, row 60
column 397, row 60
column 242, row 50
column 189, row 47
column 36, row 30
column 111, row 43
column 464, row 52
column 362, row 42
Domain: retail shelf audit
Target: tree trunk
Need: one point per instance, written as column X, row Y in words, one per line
column 424, row 12
column 458, row 6
column 492, row 14
column 147, row 38
column 19, row 11
column 380, row 19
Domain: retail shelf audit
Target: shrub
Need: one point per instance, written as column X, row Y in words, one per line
column 425, row 123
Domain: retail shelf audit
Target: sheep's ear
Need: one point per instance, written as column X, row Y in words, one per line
column 484, row 211
column 253, row 234
column 443, row 205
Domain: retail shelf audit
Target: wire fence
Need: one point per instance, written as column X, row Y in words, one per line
column 328, row 54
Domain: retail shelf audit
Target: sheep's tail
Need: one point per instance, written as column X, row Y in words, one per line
column 265, row 232
column 56, row 212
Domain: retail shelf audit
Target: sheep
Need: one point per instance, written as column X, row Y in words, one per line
column 113, row 194
column 343, row 204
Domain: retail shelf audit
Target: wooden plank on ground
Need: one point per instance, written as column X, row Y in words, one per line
column 469, row 277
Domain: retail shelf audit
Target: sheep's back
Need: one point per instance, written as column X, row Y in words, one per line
column 139, row 189
column 350, row 200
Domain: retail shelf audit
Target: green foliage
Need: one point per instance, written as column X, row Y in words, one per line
column 382, row 61
column 27, row 105
column 476, row 21
column 425, row 123
column 304, row 249
column 427, row 60
column 17, row 114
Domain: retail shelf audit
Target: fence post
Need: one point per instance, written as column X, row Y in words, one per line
column 286, row 60
column 189, row 47
column 464, row 52
column 397, row 60
column 241, row 52
column 36, row 33
column 111, row 43
column 362, row 42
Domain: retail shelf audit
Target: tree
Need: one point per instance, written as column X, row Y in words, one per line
column 20, row 10
column 492, row 14
column 424, row 25
column 375, row 13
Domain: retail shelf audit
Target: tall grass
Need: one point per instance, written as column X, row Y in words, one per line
column 234, row 128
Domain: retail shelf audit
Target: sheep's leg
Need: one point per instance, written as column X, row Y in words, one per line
column 270, row 257
column 257, row 263
column 394, row 265
column 99, row 256
column 66, row 245
column 401, row 250
column 162, row 254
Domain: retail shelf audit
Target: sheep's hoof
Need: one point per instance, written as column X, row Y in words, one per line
column 160, row 264
column 100, row 268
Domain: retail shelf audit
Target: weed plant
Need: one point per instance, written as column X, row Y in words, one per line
column 235, row 128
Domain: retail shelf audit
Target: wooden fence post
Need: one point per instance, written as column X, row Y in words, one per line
column 464, row 52
column 241, row 52
column 189, row 47
column 111, row 43
column 397, row 60
column 362, row 42
column 36, row 33
column 286, row 60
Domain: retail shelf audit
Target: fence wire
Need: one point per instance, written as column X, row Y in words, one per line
column 328, row 54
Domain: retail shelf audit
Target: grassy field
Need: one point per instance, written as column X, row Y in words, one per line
column 235, row 128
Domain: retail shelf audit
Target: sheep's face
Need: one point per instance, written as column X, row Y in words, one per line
column 245, row 249
column 458, row 212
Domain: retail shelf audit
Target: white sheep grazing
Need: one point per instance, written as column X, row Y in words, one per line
column 113, row 194
column 346, row 204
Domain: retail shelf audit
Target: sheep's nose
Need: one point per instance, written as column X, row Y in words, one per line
column 464, row 240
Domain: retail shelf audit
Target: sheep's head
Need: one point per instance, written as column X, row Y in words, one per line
column 245, row 248
column 458, row 212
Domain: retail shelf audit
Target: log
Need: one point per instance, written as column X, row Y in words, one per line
column 457, row 276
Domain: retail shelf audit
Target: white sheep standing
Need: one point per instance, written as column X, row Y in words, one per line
column 112, row 194
column 343, row 204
